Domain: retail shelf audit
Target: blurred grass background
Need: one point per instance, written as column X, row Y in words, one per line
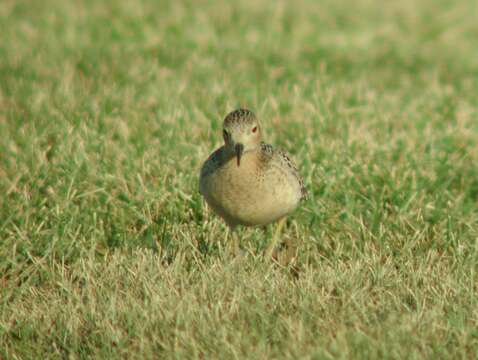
column 107, row 110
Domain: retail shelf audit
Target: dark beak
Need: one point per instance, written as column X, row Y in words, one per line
column 239, row 150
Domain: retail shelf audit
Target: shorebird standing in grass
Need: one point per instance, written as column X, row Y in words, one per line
column 248, row 182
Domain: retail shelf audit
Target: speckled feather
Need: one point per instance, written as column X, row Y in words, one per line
column 268, row 155
column 272, row 154
column 213, row 162
column 239, row 116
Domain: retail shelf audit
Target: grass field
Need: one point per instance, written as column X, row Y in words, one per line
column 109, row 108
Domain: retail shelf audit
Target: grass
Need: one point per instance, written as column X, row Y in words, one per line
column 107, row 110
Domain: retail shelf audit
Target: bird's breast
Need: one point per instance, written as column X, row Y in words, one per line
column 250, row 194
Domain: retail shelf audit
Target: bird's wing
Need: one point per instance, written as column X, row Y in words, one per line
column 270, row 154
column 213, row 162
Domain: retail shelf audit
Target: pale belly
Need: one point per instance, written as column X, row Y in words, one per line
column 242, row 197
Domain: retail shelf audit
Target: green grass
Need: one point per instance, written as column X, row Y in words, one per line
column 107, row 110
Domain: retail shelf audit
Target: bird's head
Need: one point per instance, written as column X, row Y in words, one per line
column 241, row 132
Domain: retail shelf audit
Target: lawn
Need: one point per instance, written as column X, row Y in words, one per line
column 109, row 108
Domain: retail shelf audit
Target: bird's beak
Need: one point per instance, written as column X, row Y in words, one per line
column 239, row 150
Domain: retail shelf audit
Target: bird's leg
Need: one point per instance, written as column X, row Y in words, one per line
column 275, row 238
column 226, row 235
column 292, row 245
column 232, row 236
column 235, row 243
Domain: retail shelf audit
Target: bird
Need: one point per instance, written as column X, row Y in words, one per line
column 248, row 182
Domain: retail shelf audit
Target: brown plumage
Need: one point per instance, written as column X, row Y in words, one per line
column 246, row 181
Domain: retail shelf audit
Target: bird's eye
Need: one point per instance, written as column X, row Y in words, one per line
column 224, row 133
column 254, row 129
